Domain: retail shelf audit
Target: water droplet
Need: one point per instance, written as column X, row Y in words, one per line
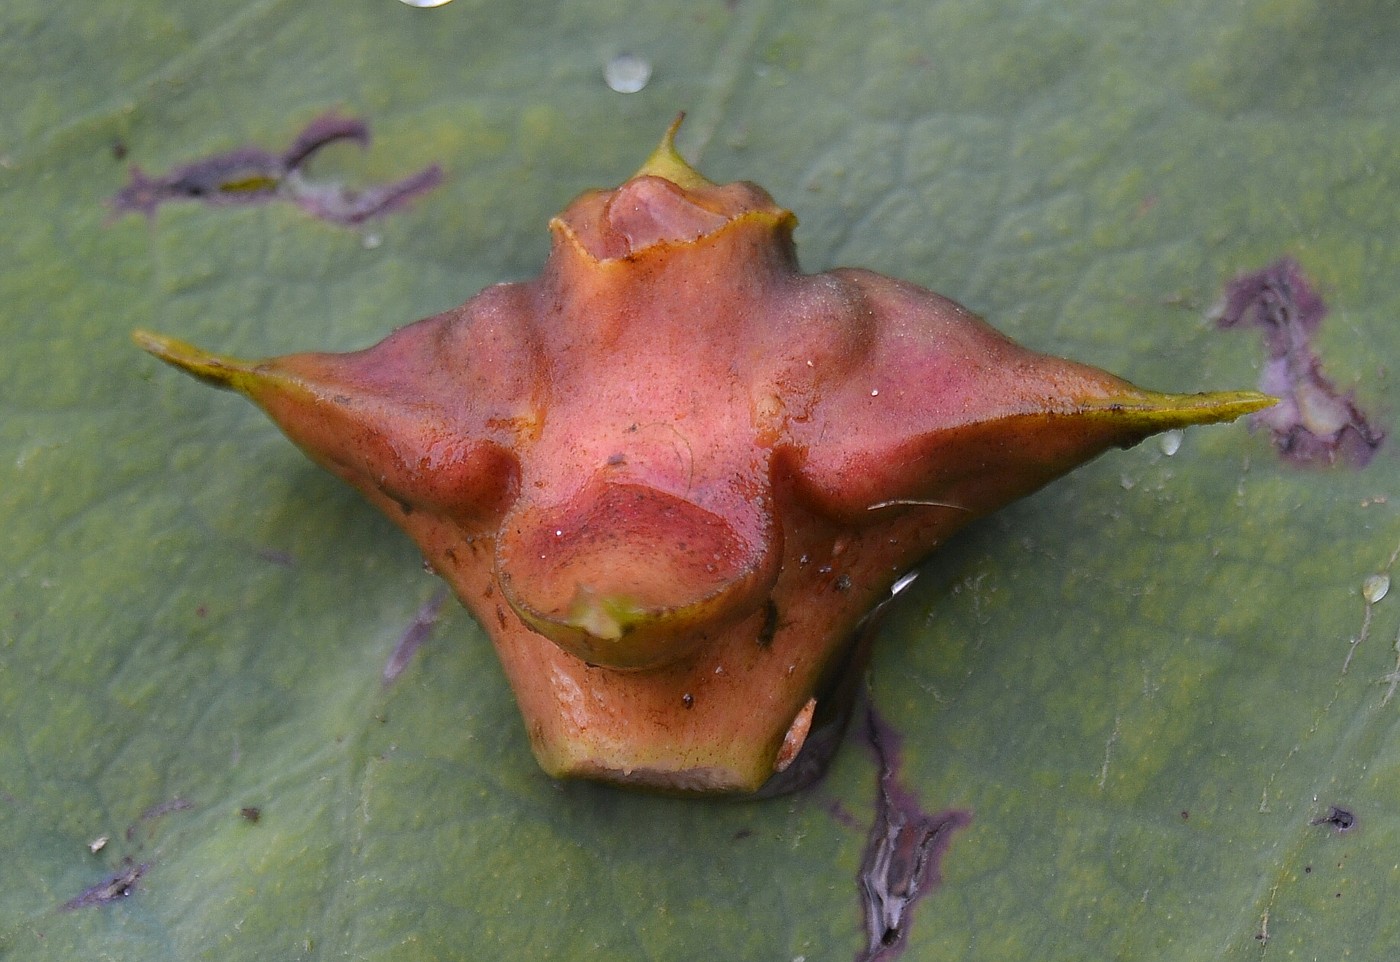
column 627, row 73
column 875, row 392
column 1170, row 441
column 905, row 580
column 1374, row 588
column 426, row 3
column 370, row 241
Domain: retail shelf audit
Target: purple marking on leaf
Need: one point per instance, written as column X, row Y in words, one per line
column 414, row 636
column 904, row 852
column 243, row 176
column 325, row 129
column 112, row 889
column 842, row 814
column 251, row 175
column 1313, row 423
column 341, row 205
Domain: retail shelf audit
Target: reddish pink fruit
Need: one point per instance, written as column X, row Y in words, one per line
column 671, row 474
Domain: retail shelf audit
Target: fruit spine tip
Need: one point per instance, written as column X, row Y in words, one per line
column 1151, row 411
column 1213, row 407
column 665, row 161
column 224, row 372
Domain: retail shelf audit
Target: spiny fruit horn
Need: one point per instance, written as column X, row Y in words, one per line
column 672, row 474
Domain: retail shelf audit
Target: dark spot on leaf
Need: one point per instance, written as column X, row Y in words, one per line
column 1341, row 819
column 842, row 814
column 742, row 834
column 250, row 814
column 843, row 582
column 414, row 635
column 119, row 149
column 112, row 889
column 1185, row 814
column 904, row 851
column 282, row 559
column 156, row 812
column 176, row 804
column 251, row 175
column 1313, row 423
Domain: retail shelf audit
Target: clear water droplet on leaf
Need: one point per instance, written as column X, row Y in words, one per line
column 627, row 73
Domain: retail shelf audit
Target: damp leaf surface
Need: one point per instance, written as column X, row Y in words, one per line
column 1153, row 684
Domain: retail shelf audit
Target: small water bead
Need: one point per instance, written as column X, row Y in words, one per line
column 1170, row 441
column 627, row 73
column 904, row 581
column 426, row 3
column 1374, row 588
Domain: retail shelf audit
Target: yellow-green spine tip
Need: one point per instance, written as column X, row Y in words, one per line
column 224, row 372
column 1150, row 411
column 665, row 161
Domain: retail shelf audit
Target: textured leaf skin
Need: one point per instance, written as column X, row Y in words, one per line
column 1112, row 673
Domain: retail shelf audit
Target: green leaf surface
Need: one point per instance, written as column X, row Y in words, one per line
column 1148, row 682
